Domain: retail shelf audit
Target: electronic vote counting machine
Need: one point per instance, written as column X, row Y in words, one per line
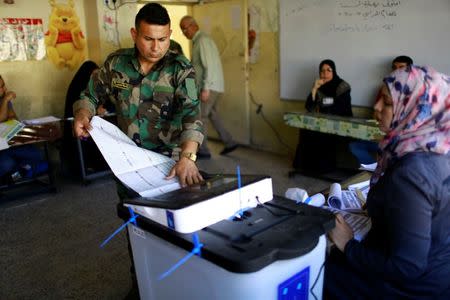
column 254, row 245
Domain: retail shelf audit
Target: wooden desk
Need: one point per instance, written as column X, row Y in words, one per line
column 360, row 177
column 32, row 134
column 342, row 126
column 40, row 135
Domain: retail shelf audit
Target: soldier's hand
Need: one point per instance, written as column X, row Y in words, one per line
column 81, row 124
column 187, row 172
column 101, row 111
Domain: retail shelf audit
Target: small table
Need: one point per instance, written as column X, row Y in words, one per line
column 360, row 177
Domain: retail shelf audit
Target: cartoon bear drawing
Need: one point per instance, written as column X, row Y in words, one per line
column 64, row 40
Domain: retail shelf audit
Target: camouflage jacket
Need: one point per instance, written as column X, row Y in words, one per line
column 158, row 111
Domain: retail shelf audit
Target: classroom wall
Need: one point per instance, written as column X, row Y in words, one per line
column 272, row 135
column 107, row 30
column 125, row 16
column 264, row 87
column 39, row 85
column 42, row 91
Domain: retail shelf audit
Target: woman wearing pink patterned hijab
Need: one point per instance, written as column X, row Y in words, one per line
column 406, row 253
column 418, row 98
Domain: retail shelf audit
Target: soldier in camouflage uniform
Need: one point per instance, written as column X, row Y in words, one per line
column 155, row 94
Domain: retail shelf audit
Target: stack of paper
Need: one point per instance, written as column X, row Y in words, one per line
column 350, row 206
column 361, row 189
column 43, row 120
column 343, row 200
column 369, row 167
column 359, row 223
column 8, row 130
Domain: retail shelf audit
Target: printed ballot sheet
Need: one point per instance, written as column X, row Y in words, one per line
column 362, row 190
column 359, row 223
column 349, row 203
column 343, row 200
column 142, row 170
column 369, row 167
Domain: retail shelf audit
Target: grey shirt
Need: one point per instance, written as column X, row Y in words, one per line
column 207, row 64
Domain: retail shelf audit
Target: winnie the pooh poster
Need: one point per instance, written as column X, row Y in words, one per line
column 64, row 39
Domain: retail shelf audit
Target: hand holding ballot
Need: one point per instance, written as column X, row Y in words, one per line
column 184, row 172
column 142, row 170
column 343, row 235
column 81, row 123
column 344, row 200
column 347, row 205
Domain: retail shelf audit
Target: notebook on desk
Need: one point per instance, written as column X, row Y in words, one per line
column 8, row 130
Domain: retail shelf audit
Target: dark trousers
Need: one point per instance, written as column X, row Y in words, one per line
column 316, row 152
column 12, row 159
column 341, row 281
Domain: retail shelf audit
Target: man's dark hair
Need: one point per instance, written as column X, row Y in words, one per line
column 403, row 59
column 152, row 13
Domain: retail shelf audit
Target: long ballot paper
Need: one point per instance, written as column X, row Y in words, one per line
column 142, row 170
column 360, row 224
column 343, row 199
column 350, row 206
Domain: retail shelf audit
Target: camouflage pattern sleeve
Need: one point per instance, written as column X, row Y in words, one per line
column 188, row 94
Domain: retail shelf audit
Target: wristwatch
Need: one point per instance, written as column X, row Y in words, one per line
column 191, row 155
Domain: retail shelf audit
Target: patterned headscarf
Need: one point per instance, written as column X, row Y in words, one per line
column 421, row 121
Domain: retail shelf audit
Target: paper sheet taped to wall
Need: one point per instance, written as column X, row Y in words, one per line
column 21, row 39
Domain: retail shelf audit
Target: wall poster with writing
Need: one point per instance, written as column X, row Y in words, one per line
column 21, row 39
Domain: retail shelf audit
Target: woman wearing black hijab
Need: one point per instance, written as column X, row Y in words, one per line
column 330, row 94
column 316, row 151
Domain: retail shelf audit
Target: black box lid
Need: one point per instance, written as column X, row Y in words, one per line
column 279, row 229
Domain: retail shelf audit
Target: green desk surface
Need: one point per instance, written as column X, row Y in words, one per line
column 344, row 126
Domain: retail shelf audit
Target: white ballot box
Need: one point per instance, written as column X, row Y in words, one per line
column 192, row 208
column 273, row 251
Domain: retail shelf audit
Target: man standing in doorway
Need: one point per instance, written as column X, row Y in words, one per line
column 210, row 82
